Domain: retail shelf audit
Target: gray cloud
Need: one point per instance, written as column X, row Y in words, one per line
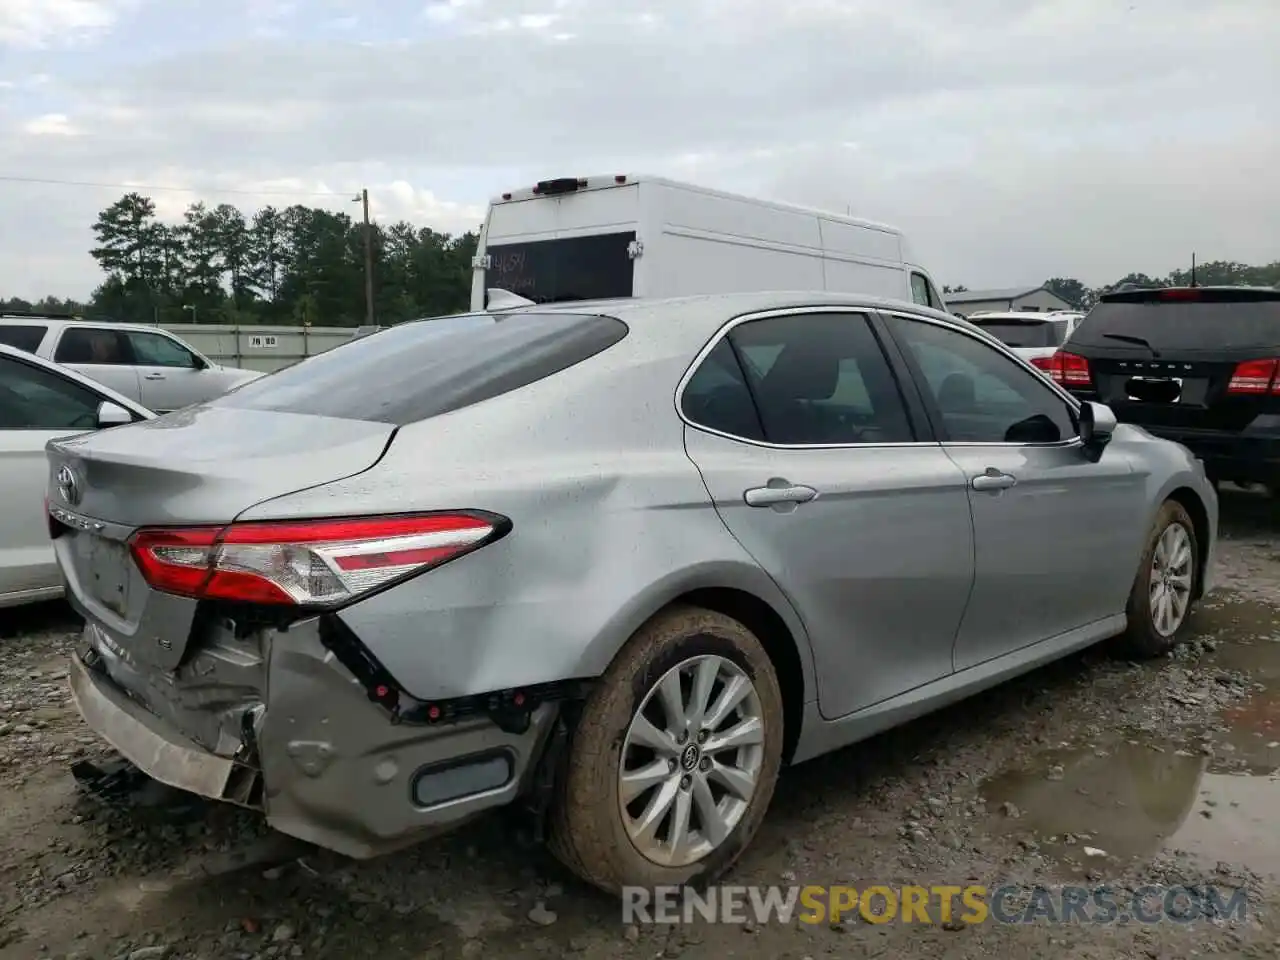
column 1013, row 138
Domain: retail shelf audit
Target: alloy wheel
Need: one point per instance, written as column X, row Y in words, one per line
column 691, row 760
column 1171, row 575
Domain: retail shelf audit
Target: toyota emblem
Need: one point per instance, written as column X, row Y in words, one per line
column 68, row 485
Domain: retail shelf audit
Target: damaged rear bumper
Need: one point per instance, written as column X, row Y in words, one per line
column 322, row 761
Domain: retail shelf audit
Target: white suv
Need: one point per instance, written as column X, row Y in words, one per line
column 1031, row 335
column 147, row 364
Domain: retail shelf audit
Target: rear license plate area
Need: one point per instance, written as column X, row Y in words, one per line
column 104, row 569
column 1154, row 389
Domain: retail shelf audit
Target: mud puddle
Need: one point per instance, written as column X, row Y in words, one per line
column 1210, row 790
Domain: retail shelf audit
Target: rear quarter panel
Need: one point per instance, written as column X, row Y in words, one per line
column 611, row 522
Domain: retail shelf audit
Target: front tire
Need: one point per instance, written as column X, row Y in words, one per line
column 674, row 758
column 1159, row 608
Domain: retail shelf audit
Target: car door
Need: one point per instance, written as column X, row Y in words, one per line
column 812, row 458
column 36, row 406
column 1053, row 532
column 171, row 375
column 102, row 354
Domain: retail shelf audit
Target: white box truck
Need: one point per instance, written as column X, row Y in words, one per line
column 594, row 238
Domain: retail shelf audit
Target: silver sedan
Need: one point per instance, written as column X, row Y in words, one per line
column 40, row 401
column 620, row 562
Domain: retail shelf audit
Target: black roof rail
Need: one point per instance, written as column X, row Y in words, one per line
column 40, row 314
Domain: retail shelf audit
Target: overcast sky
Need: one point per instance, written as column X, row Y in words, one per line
column 1013, row 139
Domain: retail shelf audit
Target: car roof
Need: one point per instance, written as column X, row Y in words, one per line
column 724, row 305
column 101, row 389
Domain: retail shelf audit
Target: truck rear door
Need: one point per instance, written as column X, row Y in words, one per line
column 566, row 240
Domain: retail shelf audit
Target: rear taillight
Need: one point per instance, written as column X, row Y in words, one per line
column 1067, row 369
column 1043, row 363
column 1255, row 376
column 306, row 562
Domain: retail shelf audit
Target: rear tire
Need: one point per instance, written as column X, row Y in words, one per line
column 1160, row 602
column 692, row 804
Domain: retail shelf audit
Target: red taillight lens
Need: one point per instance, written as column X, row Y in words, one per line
column 1043, row 363
column 1067, row 369
column 1255, row 376
column 1075, row 370
column 307, row 562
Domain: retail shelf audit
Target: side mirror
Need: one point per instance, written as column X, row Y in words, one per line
column 1097, row 424
column 112, row 415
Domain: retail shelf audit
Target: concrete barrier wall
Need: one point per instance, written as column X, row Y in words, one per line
column 259, row 347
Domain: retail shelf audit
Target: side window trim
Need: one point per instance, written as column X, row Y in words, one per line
column 935, row 419
column 918, row 418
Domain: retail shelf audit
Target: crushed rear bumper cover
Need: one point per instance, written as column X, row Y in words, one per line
column 317, row 757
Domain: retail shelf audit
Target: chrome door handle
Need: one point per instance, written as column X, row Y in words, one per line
column 993, row 479
column 772, row 496
column 154, row 376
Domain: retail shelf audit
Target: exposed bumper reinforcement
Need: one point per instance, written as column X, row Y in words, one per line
column 146, row 741
column 326, row 765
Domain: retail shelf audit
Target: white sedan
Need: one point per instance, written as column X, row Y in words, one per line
column 40, row 401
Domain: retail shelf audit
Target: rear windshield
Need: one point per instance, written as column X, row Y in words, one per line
column 1182, row 326
column 23, row 336
column 562, row 271
column 422, row 369
column 1018, row 333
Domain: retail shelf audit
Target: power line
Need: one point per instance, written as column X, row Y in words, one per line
column 336, row 195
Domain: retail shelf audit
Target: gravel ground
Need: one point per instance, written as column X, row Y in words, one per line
column 1093, row 770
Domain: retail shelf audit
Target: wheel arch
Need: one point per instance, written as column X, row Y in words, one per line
column 745, row 594
column 1190, row 501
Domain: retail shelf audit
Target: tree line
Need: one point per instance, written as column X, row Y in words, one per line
column 296, row 265
column 305, row 265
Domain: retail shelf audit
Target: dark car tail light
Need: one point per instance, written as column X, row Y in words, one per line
column 1068, row 369
column 1254, row 377
column 305, row 562
column 1044, row 363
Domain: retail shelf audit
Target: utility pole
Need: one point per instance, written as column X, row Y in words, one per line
column 368, row 259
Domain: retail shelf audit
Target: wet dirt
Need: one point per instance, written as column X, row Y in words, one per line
column 1210, row 790
column 1166, row 766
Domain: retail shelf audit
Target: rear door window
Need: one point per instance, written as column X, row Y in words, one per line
column 598, row 267
column 816, row 379
column 414, row 371
column 22, row 336
column 97, row 345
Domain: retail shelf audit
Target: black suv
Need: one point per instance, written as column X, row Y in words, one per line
column 1199, row 365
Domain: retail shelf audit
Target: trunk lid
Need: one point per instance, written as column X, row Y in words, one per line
column 207, row 464
column 200, row 466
